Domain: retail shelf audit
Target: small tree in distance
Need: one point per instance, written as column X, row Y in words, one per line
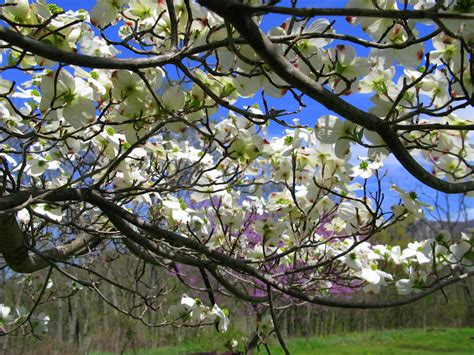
column 169, row 130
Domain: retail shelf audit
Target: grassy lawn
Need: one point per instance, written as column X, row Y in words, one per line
column 407, row 341
column 412, row 341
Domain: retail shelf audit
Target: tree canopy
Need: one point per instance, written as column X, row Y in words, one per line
column 184, row 133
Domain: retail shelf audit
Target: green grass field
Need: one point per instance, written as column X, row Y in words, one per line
column 407, row 341
column 412, row 341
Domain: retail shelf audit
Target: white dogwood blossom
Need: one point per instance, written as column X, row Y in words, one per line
column 194, row 311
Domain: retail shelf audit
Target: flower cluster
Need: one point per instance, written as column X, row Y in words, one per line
column 193, row 311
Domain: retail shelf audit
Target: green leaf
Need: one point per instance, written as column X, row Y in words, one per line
column 55, row 9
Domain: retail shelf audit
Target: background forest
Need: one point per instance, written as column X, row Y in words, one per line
column 77, row 323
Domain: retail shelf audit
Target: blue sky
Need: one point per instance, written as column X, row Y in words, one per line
column 397, row 174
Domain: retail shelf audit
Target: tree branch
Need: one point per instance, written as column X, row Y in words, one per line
column 16, row 253
column 249, row 10
column 285, row 69
column 62, row 56
column 179, row 241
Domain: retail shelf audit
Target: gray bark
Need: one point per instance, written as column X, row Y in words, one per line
column 14, row 248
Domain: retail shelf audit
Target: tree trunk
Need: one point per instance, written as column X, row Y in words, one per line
column 59, row 322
